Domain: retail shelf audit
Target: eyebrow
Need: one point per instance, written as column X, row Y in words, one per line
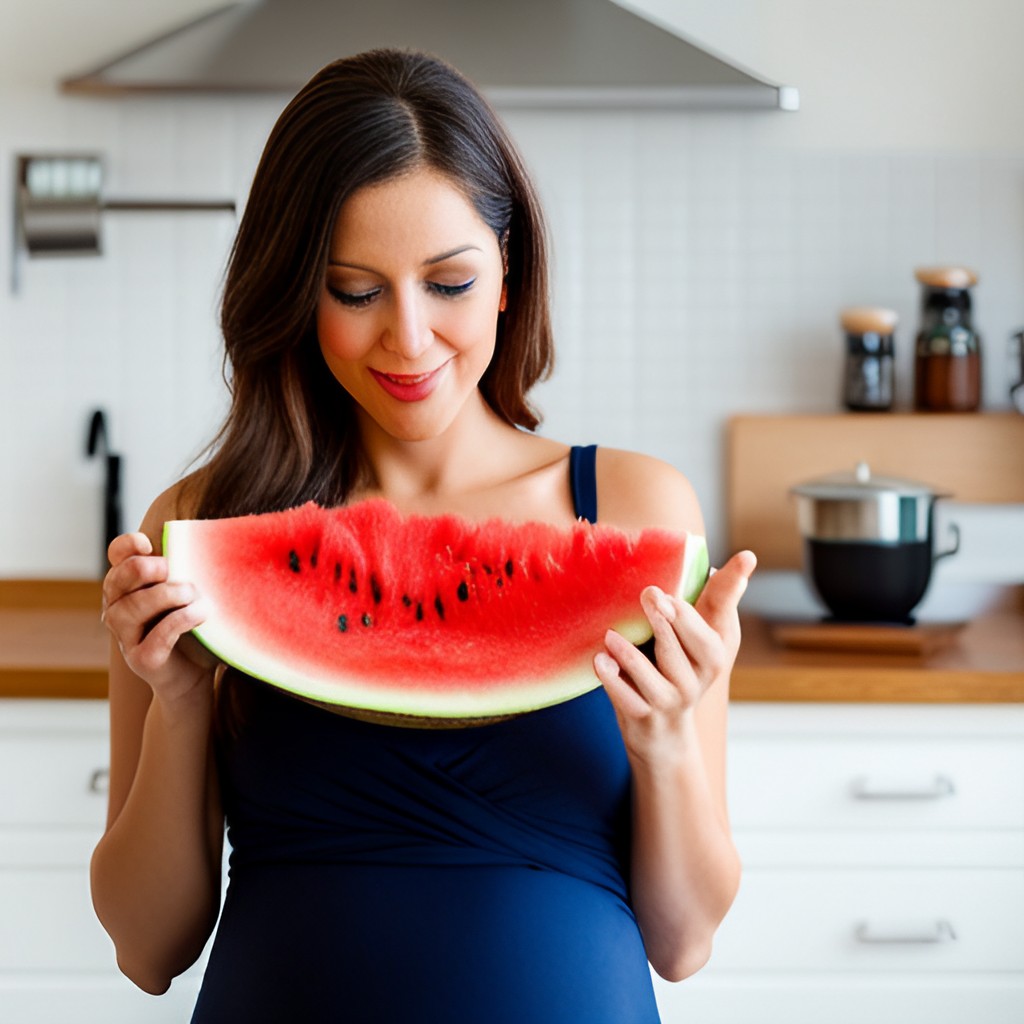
column 427, row 263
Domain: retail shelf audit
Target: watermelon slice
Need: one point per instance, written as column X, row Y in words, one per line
column 438, row 617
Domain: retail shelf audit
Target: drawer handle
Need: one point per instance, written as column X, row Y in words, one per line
column 939, row 787
column 99, row 781
column 938, row 931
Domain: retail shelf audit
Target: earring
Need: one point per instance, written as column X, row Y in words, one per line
column 503, row 301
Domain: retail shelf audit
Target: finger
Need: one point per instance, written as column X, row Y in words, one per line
column 696, row 637
column 135, row 615
column 670, row 654
column 720, row 598
column 127, row 544
column 624, row 697
column 151, row 654
column 131, row 574
column 645, row 677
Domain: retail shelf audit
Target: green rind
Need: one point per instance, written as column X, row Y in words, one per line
column 696, row 568
column 417, row 703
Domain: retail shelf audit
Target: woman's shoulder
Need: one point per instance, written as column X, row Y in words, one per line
column 180, row 501
column 636, row 490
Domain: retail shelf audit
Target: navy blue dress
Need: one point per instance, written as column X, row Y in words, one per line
column 447, row 876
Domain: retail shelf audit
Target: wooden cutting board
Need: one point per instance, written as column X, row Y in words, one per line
column 919, row 640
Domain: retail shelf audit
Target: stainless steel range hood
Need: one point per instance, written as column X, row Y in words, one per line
column 568, row 53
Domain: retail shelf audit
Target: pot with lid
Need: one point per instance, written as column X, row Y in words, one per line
column 868, row 543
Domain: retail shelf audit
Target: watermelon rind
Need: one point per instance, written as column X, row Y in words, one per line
column 404, row 696
column 696, row 567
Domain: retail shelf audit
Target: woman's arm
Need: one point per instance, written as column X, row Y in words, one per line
column 156, row 872
column 685, row 870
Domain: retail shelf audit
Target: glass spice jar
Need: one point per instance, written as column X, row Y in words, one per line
column 947, row 356
column 868, row 372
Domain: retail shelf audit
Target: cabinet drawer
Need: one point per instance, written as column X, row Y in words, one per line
column 875, row 921
column 762, row 998
column 888, row 783
column 48, row 926
column 48, row 923
column 53, row 780
column 91, row 999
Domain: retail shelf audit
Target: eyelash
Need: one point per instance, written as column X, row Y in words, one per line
column 357, row 301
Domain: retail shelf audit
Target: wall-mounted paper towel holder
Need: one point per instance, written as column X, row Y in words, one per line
column 58, row 206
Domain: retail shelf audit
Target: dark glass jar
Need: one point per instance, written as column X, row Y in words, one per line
column 868, row 371
column 947, row 358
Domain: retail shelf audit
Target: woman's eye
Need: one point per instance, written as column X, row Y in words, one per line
column 449, row 291
column 354, row 298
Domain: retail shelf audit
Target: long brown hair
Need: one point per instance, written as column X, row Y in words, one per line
column 290, row 435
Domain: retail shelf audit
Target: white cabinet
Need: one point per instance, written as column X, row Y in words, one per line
column 883, row 850
column 56, row 962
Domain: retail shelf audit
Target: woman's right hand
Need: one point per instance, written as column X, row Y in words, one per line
column 150, row 618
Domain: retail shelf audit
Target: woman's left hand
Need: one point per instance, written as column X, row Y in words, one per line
column 693, row 647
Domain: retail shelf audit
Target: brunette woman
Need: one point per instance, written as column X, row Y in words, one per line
column 385, row 316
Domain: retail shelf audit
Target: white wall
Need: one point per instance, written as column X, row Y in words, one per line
column 875, row 74
column 700, row 259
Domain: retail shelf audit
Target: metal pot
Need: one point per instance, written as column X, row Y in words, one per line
column 868, row 543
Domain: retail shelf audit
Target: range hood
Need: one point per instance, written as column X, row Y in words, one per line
column 521, row 53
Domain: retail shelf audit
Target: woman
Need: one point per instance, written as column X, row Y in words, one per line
column 385, row 314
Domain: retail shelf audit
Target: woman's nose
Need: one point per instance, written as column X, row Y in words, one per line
column 407, row 332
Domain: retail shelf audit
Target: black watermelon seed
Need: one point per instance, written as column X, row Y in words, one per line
column 337, row 571
column 488, row 570
column 419, row 611
column 439, row 606
column 500, row 582
column 343, row 623
column 407, row 600
column 312, row 559
column 509, row 567
column 367, row 621
column 352, row 585
column 293, row 561
column 375, row 589
column 463, row 591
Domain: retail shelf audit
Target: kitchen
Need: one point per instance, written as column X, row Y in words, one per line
column 727, row 242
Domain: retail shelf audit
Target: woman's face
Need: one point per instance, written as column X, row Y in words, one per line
column 408, row 313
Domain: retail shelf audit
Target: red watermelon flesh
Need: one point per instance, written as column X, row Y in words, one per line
column 431, row 616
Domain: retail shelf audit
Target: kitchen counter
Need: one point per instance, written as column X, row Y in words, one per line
column 52, row 643
column 982, row 662
column 50, row 649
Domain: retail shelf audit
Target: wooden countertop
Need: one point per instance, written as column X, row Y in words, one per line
column 982, row 662
column 52, row 644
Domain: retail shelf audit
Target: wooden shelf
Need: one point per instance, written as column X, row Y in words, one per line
column 973, row 457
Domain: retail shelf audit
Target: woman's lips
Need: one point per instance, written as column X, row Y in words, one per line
column 409, row 387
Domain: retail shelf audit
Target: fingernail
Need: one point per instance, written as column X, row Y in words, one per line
column 604, row 663
column 663, row 604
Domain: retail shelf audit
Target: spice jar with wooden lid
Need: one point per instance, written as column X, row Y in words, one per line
column 868, row 373
column 947, row 357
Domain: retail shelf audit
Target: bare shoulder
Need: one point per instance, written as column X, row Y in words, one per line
column 179, row 501
column 636, row 490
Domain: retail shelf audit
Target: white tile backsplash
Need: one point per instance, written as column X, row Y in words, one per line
column 698, row 272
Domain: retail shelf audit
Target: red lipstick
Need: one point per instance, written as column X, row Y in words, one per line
column 409, row 387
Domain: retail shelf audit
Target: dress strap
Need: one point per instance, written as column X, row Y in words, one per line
column 583, row 481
